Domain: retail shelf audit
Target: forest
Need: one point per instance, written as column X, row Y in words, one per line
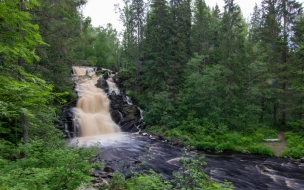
column 204, row 76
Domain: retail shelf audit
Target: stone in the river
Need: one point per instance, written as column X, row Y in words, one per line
column 102, row 83
column 108, row 168
column 116, row 116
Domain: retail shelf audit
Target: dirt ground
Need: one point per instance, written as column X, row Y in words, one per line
column 277, row 147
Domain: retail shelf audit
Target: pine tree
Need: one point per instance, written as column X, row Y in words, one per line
column 60, row 25
column 277, row 19
column 234, row 56
column 180, row 48
column 201, row 28
column 156, row 54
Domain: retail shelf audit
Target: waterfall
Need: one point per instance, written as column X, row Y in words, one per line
column 112, row 86
column 92, row 116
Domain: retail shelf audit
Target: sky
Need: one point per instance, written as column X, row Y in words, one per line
column 103, row 11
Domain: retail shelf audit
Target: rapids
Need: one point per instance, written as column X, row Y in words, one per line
column 126, row 150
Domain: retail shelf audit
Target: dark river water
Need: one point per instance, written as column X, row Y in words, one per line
column 245, row 171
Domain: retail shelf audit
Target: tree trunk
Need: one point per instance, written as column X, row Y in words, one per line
column 23, row 128
column 263, row 109
column 275, row 114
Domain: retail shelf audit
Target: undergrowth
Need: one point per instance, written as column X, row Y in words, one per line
column 294, row 145
column 218, row 139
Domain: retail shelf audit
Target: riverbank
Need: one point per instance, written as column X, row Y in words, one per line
column 134, row 155
column 234, row 141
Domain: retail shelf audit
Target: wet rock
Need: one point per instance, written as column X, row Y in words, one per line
column 100, row 182
column 95, row 180
column 142, row 125
column 131, row 116
column 130, row 111
column 117, row 102
column 134, row 129
column 104, row 182
column 66, row 118
column 102, row 83
column 96, row 174
column 127, row 126
column 145, row 134
column 108, row 168
column 100, row 174
column 177, row 142
column 116, row 116
column 191, row 148
column 302, row 160
column 137, row 162
column 116, row 79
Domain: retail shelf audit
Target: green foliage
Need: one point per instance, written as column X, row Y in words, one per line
column 295, row 145
column 30, row 96
column 61, row 26
column 18, row 36
column 150, row 180
column 100, row 47
column 160, row 110
column 45, row 165
column 192, row 176
column 206, row 136
column 260, row 149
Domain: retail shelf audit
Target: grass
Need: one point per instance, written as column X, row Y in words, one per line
column 203, row 139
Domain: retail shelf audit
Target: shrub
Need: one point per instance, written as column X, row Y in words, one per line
column 56, row 166
column 224, row 146
column 261, row 149
column 295, row 145
column 205, row 145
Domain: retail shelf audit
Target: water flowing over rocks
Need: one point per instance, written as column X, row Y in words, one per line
column 126, row 151
column 245, row 171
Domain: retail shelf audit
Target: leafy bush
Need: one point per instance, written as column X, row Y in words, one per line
column 38, row 165
column 148, row 181
column 224, row 146
column 192, row 176
column 295, row 145
column 206, row 145
column 260, row 149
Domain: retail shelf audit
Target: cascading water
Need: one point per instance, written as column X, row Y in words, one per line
column 112, row 86
column 92, row 116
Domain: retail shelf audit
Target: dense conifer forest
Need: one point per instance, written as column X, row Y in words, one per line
column 212, row 79
column 203, row 75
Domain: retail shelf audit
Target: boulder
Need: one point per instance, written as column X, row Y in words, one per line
column 127, row 124
column 130, row 111
column 116, row 79
column 117, row 102
column 116, row 116
column 108, row 168
column 102, row 83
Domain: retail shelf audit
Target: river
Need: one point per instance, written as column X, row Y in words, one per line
column 126, row 150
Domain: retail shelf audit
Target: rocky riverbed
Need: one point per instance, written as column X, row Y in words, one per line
column 124, row 151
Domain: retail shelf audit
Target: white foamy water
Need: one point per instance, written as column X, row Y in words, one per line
column 114, row 139
column 92, row 110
